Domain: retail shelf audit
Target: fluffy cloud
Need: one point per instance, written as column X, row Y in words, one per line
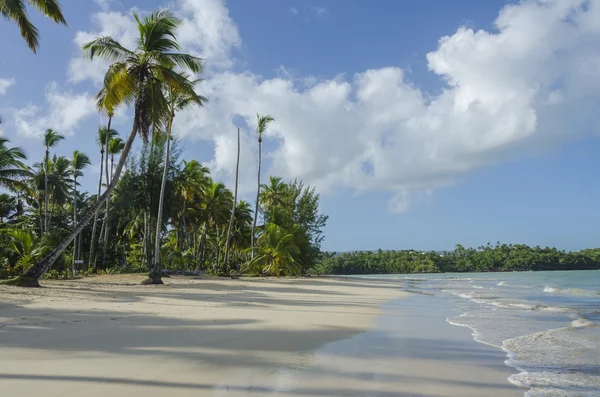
column 64, row 113
column 5, row 84
column 531, row 82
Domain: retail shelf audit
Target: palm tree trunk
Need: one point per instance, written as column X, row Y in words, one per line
column 257, row 196
column 203, row 242
column 46, row 165
column 231, row 220
column 106, row 215
column 154, row 276
column 35, row 272
column 92, row 258
column 74, row 221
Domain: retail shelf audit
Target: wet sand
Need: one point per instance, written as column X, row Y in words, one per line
column 107, row 335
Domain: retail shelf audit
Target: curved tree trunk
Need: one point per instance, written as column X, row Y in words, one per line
column 232, row 219
column 107, row 211
column 46, row 199
column 154, row 275
column 92, row 258
column 36, row 271
column 257, row 196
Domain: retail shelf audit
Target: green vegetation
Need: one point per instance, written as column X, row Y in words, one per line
column 16, row 11
column 498, row 258
column 153, row 210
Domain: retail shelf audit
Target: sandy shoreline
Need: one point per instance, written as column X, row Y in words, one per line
column 108, row 336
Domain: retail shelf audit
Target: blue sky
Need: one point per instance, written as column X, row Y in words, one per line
column 414, row 141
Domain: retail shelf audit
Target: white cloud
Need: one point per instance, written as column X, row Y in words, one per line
column 320, row 12
column 5, row 84
column 65, row 111
column 531, row 82
column 294, row 10
column 206, row 31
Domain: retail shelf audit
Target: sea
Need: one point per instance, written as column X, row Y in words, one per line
column 548, row 323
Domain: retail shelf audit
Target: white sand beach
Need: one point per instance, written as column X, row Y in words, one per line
column 109, row 336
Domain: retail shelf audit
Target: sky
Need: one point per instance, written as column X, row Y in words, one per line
column 422, row 124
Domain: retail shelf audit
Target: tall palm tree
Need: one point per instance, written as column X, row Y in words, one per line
column 232, row 219
column 51, row 139
column 136, row 77
column 15, row 11
column 12, row 169
column 103, row 135
column 115, row 146
column 275, row 253
column 261, row 127
column 176, row 101
column 78, row 163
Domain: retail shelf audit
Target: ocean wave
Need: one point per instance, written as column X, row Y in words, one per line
column 571, row 291
column 501, row 283
column 557, row 362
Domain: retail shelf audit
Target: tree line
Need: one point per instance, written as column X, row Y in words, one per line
column 488, row 258
column 152, row 210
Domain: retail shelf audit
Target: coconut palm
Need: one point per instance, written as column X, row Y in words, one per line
column 274, row 194
column 115, row 147
column 15, row 11
column 12, row 169
column 275, row 253
column 177, row 100
column 50, row 139
column 136, row 77
column 78, row 163
column 261, row 127
column 232, row 219
column 103, row 135
column 59, row 182
column 217, row 200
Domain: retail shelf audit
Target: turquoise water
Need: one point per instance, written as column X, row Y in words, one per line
column 548, row 323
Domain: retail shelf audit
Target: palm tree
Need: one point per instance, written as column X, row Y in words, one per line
column 78, row 163
column 14, row 10
column 232, row 219
column 51, row 139
column 274, row 194
column 12, row 169
column 59, row 181
column 262, row 123
column 103, row 135
column 136, row 77
column 115, row 147
column 275, row 253
column 216, row 201
column 192, row 183
column 176, row 101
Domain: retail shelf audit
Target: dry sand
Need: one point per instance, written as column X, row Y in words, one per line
column 108, row 336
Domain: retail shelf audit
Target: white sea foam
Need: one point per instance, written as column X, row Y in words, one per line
column 500, row 283
column 571, row 291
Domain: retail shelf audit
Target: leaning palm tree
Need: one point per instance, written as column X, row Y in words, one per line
column 15, row 11
column 12, row 169
column 177, row 100
column 51, row 139
column 103, row 135
column 262, row 123
column 78, row 163
column 136, row 77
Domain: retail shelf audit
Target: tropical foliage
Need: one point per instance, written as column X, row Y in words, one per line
column 489, row 258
